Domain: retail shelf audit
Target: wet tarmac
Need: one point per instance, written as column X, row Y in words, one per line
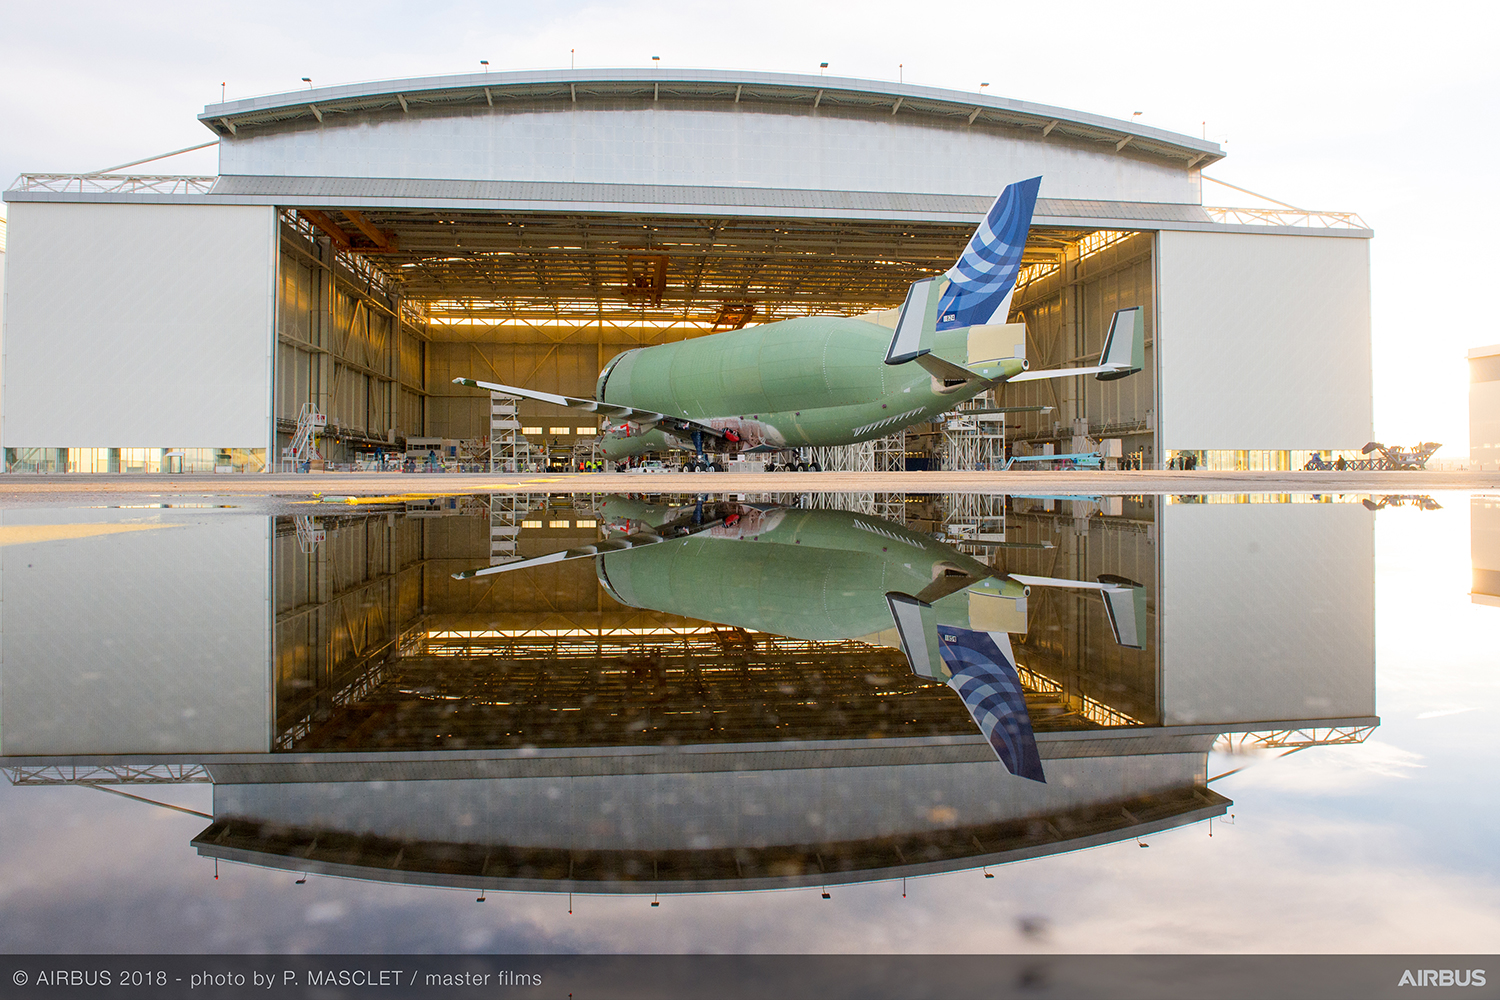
column 26, row 490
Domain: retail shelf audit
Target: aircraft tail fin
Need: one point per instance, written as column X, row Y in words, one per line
column 980, row 283
column 916, row 626
column 1124, row 345
column 976, row 290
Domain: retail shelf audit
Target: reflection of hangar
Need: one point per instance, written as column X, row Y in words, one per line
column 362, row 245
column 361, row 712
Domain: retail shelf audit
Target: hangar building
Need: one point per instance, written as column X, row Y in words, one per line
column 362, row 245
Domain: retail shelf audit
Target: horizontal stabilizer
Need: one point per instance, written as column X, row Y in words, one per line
column 1124, row 602
column 1124, row 351
column 572, row 402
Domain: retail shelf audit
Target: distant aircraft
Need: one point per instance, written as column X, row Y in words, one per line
column 825, row 575
column 831, row 380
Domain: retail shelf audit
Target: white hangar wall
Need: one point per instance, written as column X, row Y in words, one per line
column 138, row 326
column 1263, row 341
column 701, row 146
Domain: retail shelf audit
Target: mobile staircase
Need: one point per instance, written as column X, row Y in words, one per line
column 298, row 455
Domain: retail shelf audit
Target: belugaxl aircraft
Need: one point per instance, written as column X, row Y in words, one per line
column 819, row 380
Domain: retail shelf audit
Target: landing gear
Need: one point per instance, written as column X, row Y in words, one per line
column 814, row 467
column 801, row 466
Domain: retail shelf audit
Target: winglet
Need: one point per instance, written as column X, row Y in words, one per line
column 916, row 324
column 1124, row 345
column 916, row 626
column 1125, row 606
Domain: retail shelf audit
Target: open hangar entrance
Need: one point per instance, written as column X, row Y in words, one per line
column 379, row 309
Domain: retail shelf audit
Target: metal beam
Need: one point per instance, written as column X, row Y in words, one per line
column 159, row 156
column 328, row 226
column 382, row 239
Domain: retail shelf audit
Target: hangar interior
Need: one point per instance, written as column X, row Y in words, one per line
column 363, row 245
column 374, row 339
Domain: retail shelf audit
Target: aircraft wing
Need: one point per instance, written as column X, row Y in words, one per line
column 616, row 544
column 613, row 411
column 689, row 521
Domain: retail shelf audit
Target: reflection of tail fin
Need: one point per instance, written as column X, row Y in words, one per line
column 981, row 282
column 981, row 668
column 985, row 677
column 1124, row 345
column 1125, row 605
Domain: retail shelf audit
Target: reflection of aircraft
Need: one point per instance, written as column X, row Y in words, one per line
column 819, row 380
column 829, row 574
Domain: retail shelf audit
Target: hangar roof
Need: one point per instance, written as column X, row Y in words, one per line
column 326, row 105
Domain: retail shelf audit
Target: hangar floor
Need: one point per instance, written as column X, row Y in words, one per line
column 21, row 491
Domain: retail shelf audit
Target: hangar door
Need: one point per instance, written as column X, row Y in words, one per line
column 138, row 326
column 1263, row 341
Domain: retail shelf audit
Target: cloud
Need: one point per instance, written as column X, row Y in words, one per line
column 1329, row 770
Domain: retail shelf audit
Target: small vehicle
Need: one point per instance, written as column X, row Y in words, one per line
column 649, row 467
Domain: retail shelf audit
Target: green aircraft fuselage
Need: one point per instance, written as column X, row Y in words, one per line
column 811, row 382
column 808, row 574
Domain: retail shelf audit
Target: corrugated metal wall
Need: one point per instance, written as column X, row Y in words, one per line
column 342, row 348
column 565, row 360
column 1067, row 314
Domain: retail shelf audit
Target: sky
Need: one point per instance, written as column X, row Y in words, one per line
column 1382, row 109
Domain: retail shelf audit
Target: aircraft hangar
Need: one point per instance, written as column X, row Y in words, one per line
column 362, row 245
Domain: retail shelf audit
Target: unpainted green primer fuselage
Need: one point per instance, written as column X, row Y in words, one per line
column 811, row 382
column 808, row 574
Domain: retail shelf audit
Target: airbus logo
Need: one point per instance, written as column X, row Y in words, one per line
column 1442, row 977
